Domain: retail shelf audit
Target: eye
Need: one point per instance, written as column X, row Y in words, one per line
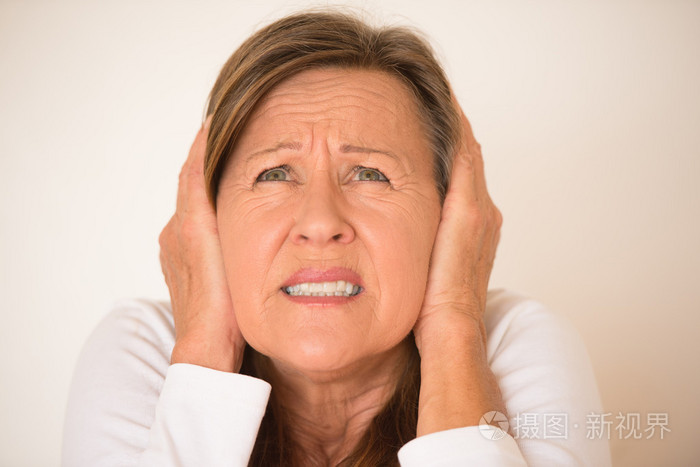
column 277, row 174
column 369, row 175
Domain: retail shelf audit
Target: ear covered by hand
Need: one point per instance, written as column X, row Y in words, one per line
column 206, row 332
column 464, row 250
column 463, row 253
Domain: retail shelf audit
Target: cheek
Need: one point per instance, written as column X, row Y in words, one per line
column 400, row 250
column 391, row 250
column 250, row 243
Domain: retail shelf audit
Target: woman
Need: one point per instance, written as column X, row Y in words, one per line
column 332, row 244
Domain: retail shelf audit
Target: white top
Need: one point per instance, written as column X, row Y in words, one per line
column 128, row 406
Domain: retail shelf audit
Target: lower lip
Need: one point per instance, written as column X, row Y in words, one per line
column 319, row 300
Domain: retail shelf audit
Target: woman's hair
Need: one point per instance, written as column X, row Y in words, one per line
column 330, row 39
column 327, row 39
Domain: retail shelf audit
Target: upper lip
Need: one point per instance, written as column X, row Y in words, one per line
column 325, row 275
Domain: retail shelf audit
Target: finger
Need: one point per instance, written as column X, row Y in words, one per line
column 470, row 139
column 199, row 146
column 468, row 133
column 479, row 193
column 479, row 174
column 473, row 149
column 462, row 187
column 191, row 189
column 464, row 184
column 496, row 241
column 495, row 217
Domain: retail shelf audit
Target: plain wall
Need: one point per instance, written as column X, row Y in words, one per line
column 589, row 118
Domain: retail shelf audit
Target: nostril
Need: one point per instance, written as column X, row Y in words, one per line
column 321, row 226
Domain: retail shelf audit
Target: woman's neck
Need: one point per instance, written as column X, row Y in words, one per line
column 328, row 413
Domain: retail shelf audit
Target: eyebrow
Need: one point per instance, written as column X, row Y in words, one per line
column 349, row 148
column 293, row 145
column 345, row 149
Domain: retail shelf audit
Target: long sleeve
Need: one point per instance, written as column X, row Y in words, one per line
column 549, row 389
column 462, row 447
column 127, row 405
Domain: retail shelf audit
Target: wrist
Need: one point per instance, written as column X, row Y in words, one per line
column 450, row 332
column 216, row 353
column 457, row 384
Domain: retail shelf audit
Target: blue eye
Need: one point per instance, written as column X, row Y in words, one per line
column 369, row 175
column 278, row 174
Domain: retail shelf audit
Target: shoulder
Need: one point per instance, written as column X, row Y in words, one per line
column 528, row 343
column 135, row 333
column 132, row 343
column 140, row 315
column 514, row 321
column 543, row 370
column 117, row 381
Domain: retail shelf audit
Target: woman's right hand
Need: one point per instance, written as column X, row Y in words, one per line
column 206, row 332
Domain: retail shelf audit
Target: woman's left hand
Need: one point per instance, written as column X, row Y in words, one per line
column 457, row 385
column 464, row 248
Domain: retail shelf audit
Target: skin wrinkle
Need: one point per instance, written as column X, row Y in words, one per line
column 397, row 183
column 255, row 168
column 320, row 94
column 327, row 356
column 321, row 164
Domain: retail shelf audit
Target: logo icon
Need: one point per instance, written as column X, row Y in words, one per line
column 493, row 425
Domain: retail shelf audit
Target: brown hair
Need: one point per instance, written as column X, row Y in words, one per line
column 321, row 39
column 328, row 39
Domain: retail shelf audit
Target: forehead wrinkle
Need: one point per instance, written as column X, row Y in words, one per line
column 369, row 92
column 301, row 82
column 292, row 145
column 309, row 93
column 350, row 148
column 338, row 100
column 330, row 105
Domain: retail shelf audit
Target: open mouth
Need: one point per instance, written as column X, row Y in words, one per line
column 323, row 289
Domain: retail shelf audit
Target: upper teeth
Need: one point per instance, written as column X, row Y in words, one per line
column 324, row 289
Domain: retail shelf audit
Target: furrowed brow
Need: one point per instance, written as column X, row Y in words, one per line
column 345, row 149
column 349, row 148
column 289, row 145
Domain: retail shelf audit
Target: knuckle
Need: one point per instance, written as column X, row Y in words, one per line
column 498, row 216
column 476, row 149
column 165, row 235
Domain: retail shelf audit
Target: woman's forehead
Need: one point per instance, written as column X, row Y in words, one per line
column 360, row 106
column 327, row 83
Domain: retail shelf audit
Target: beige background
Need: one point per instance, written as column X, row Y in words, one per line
column 588, row 113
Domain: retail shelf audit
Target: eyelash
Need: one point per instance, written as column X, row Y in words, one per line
column 285, row 167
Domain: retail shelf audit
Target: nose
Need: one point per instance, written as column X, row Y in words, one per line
column 320, row 219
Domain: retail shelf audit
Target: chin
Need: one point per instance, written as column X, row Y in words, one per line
column 318, row 354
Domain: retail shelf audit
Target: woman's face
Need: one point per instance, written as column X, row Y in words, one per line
column 331, row 180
